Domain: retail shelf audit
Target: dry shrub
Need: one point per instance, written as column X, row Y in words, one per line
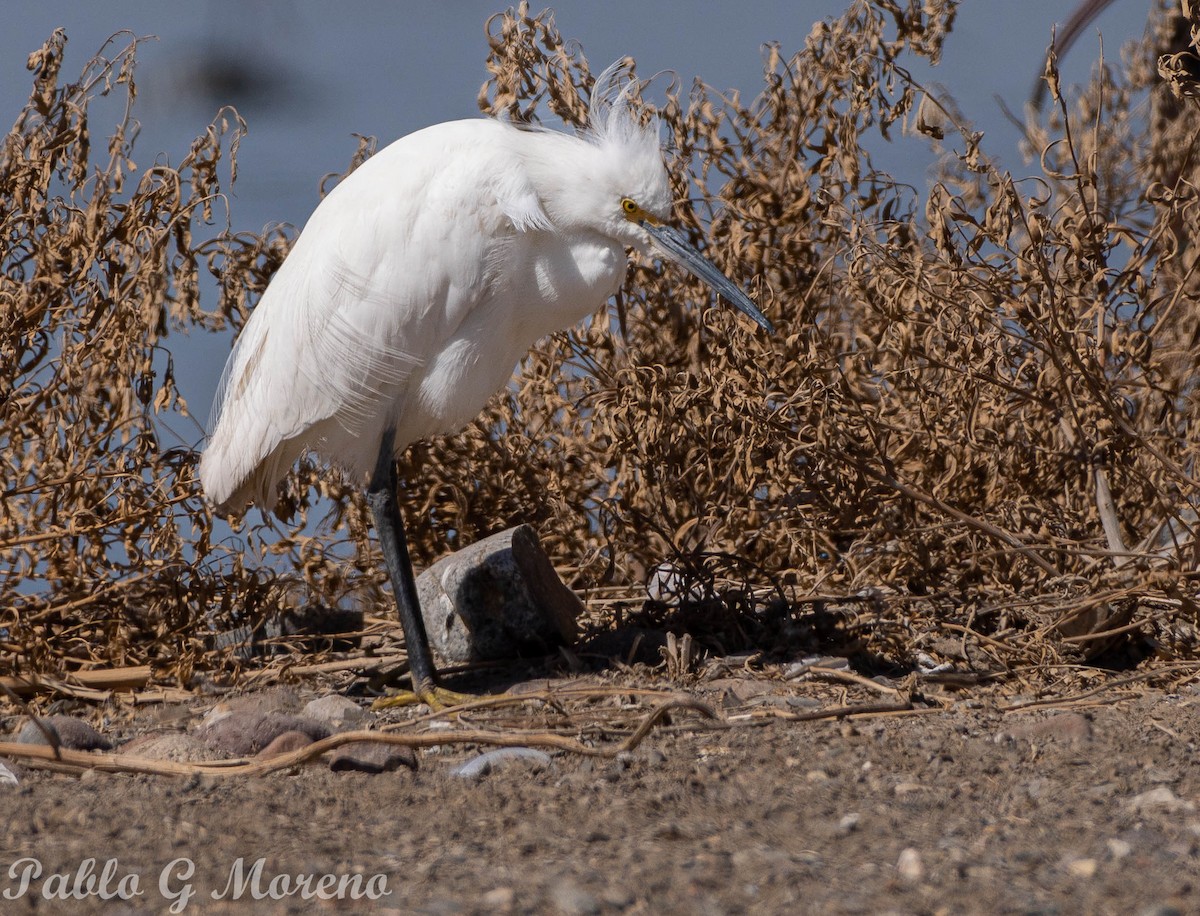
column 978, row 412
column 104, row 538
column 977, row 419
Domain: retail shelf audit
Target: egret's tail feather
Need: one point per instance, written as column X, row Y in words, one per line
column 232, row 487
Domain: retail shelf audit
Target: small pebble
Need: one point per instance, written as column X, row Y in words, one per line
column 1161, row 799
column 478, row 767
column 849, row 823
column 1082, row 868
column 909, row 865
column 1119, row 849
column 620, row 897
column 7, row 776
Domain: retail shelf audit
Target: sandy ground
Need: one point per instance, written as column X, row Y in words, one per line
column 963, row 809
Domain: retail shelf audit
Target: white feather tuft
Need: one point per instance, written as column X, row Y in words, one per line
column 612, row 119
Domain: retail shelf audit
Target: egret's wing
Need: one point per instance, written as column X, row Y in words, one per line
column 390, row 265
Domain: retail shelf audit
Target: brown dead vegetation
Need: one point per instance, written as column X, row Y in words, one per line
column 975, row 433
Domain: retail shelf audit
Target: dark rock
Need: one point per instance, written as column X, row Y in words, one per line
column 372, row 757
column 246, row 732
column 72, row 734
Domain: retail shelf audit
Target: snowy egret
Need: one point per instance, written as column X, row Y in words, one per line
column 415, row 288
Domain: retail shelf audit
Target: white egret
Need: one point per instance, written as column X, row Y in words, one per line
column 418, row 284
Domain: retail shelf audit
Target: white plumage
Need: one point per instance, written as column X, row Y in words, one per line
column 421, row 281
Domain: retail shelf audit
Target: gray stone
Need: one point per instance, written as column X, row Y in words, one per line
column 805, row 703
column 1118, row 849
column 654, row 757
column 670, row 585
column 372, row 757
column 505, row 757
column 336, row 711
column 72, row 734
column 498, row 598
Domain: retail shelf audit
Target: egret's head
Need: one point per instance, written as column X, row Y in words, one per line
column 632, row 191
column 629, row 181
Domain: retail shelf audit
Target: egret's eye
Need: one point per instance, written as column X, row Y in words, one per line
column 630, row 207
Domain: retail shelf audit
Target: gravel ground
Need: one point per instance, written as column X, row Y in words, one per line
column 964, row 809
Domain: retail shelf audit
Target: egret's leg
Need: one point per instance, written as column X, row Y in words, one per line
column 389, row 527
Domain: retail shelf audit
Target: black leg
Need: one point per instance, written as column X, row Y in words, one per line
column 389, row 527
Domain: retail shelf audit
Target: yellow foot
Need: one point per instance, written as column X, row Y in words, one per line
column 436, row 698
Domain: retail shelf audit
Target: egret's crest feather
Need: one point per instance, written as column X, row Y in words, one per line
column 612, row 119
